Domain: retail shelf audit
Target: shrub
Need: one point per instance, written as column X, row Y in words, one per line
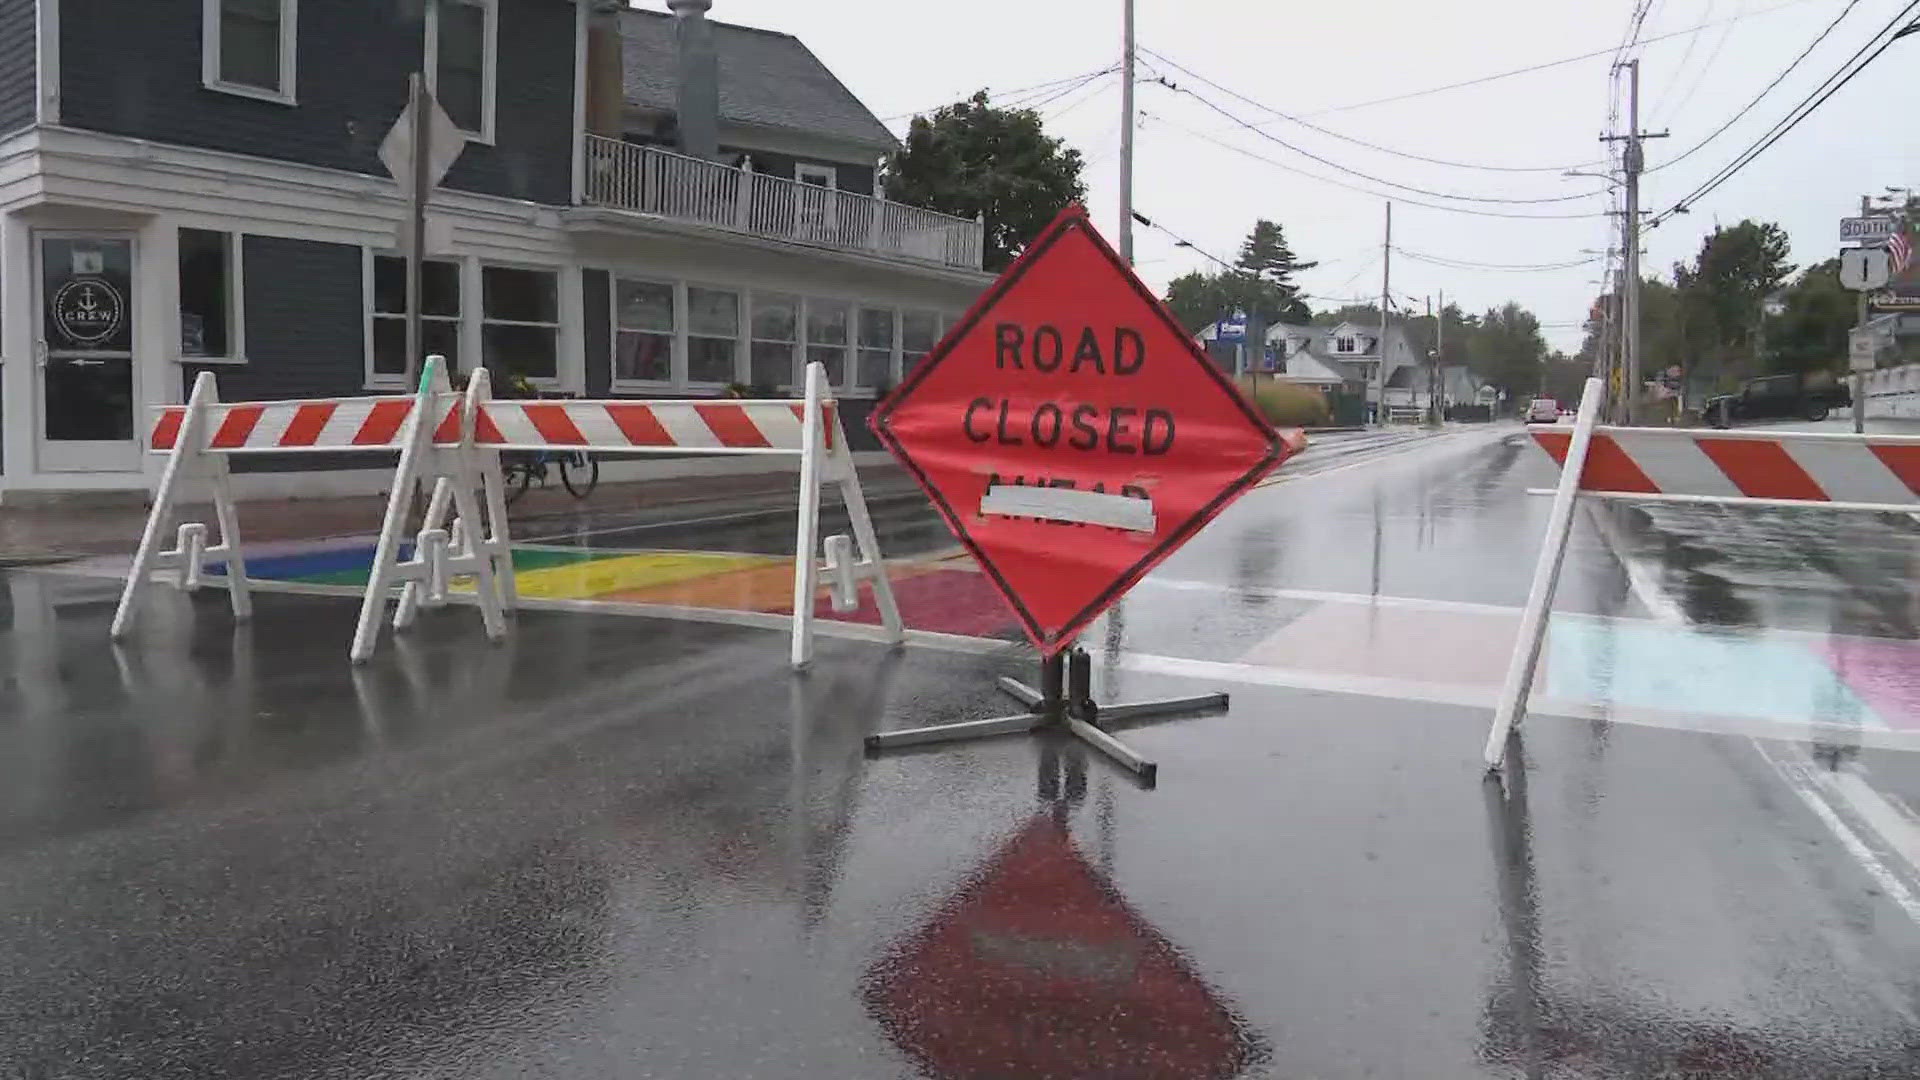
column 1287, row 404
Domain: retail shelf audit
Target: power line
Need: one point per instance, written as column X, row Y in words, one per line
column 1000, row 97
column 1348, row 138
column 1271, row 137
column 1801, row 111
column 1764, row 91
column 1042, row 101
column 1693, row 42
column 1099, row 87
column 1463, row 264
column 1243, row 151
column 1528, row 70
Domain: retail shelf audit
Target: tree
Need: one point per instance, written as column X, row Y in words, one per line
column 970, row 158
column 1722, row 294
column 1810, row 333
column 1507, row 349
column 1459, row 328
column 1260, row 284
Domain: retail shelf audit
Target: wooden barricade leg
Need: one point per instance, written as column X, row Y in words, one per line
column 189, row 458
column 1546, row 577
column 415, row 446
column 806, row 544
column 869, row 565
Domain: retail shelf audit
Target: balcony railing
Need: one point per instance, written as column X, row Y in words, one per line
column 649, row 180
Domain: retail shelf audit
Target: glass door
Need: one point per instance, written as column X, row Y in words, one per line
column 85, row 313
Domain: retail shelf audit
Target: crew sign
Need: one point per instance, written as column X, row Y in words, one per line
column 1071, row 434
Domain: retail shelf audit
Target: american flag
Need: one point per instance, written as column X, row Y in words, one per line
column 1900, row 250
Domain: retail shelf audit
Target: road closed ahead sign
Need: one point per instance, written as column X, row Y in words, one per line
column 1072, row 434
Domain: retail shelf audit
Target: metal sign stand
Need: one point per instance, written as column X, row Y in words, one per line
column 1064, row 703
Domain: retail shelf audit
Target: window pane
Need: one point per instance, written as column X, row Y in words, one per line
column 713, row 312
column 876, row 328
column 919, row 330
column 772, row 363
column 531, row 351
column 520, row 295
column 460, row 80
column 710, row 359
column 773, row 317
column 250, row 43
column 439, row 337
column 643, row 356
column 389, row 346
column 204, row 293
column 826, row 323
column 439, row 286
column 832, row 357
column 876, row 367
column 644, row 305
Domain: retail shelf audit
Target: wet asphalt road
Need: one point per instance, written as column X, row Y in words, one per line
column 622, row 846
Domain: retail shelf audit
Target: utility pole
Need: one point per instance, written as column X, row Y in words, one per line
column 1126, row 133
column 1439, row 359
column 1386, row 281
column 1859, row 409
column 1632, row 163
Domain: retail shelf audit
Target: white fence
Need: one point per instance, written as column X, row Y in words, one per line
column 649, row 180
column 1892, row 393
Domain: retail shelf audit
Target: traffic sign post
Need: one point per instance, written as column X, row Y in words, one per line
column 1072, row 436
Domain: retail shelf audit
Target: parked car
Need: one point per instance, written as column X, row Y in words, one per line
column 1543, row 410
column 1778, row 397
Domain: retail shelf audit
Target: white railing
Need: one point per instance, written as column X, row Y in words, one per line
column 649, row 180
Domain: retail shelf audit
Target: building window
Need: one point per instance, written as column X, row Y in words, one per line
column 775, row 326
column 460, row 62
column 439, row 318
column 248, row 47
column 713, row 334
column 643, row 342
column 210, row 307
column 827, row 338
column 520, row 322
column 919, row 331
column 874, row 365
column 1344, row 345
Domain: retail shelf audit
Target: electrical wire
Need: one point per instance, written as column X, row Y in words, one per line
column 1041, row 102
column 1177, row 65
column 1666, row 105
column 1401, row 199
column 1463, row 264
column 1693, row 42
column 1271, row 137
column 1099, row 88
column 1800, row 112
column 1000, row 97
column 1764, row 91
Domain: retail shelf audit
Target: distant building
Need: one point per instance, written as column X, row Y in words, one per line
column 1345, row 356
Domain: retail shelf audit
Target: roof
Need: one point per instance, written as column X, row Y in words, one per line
column 767, row 79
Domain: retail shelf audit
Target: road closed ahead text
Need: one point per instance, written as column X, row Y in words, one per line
column 1075, row 354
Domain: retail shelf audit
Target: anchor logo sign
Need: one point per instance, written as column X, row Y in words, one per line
column 88, row 310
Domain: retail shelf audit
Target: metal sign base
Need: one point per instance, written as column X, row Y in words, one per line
column 1063, row 703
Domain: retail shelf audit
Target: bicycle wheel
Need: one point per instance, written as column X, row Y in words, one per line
column 581, row 473
column 516, row 474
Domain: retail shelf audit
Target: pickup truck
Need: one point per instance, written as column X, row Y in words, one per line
column 1778, row 397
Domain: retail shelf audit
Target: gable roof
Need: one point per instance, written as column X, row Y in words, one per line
column 767, row 78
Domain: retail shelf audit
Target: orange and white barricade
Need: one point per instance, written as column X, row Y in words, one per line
column 455, row 441
column 201, row 436
column 1756, row 467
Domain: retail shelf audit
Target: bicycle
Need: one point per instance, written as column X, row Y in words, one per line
column 579, row 471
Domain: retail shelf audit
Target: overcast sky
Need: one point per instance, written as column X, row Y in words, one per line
column 1197, row 173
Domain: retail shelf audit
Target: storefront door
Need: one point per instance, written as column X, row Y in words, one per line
column 85, row 312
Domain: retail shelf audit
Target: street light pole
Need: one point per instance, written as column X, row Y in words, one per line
column 1386, row 280
column 1126, row 133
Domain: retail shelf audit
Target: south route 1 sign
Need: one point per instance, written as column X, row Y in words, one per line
column 1071, row 434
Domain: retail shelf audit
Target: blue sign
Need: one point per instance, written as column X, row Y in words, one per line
column 1231, row 328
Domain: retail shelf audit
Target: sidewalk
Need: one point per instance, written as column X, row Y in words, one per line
column 43, row 534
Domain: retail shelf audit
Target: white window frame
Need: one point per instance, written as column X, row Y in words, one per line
column 852, row 308
column 289, row 55
column 742, row 336
column 803, row 170
column 676, row 352
column 465, row 321
column 479, row 318
column 797, row 350
column 489, row 62
column 1347, row 345
column 236, row 300
column 893, row 350
column 941, row 321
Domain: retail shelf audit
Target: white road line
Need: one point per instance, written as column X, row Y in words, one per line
column 1320, row 596
column 1896, row 832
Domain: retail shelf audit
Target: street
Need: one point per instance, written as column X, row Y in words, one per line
column 629, row 842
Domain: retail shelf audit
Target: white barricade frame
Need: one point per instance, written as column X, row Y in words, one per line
column 455, row 440
column 1826, row 473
